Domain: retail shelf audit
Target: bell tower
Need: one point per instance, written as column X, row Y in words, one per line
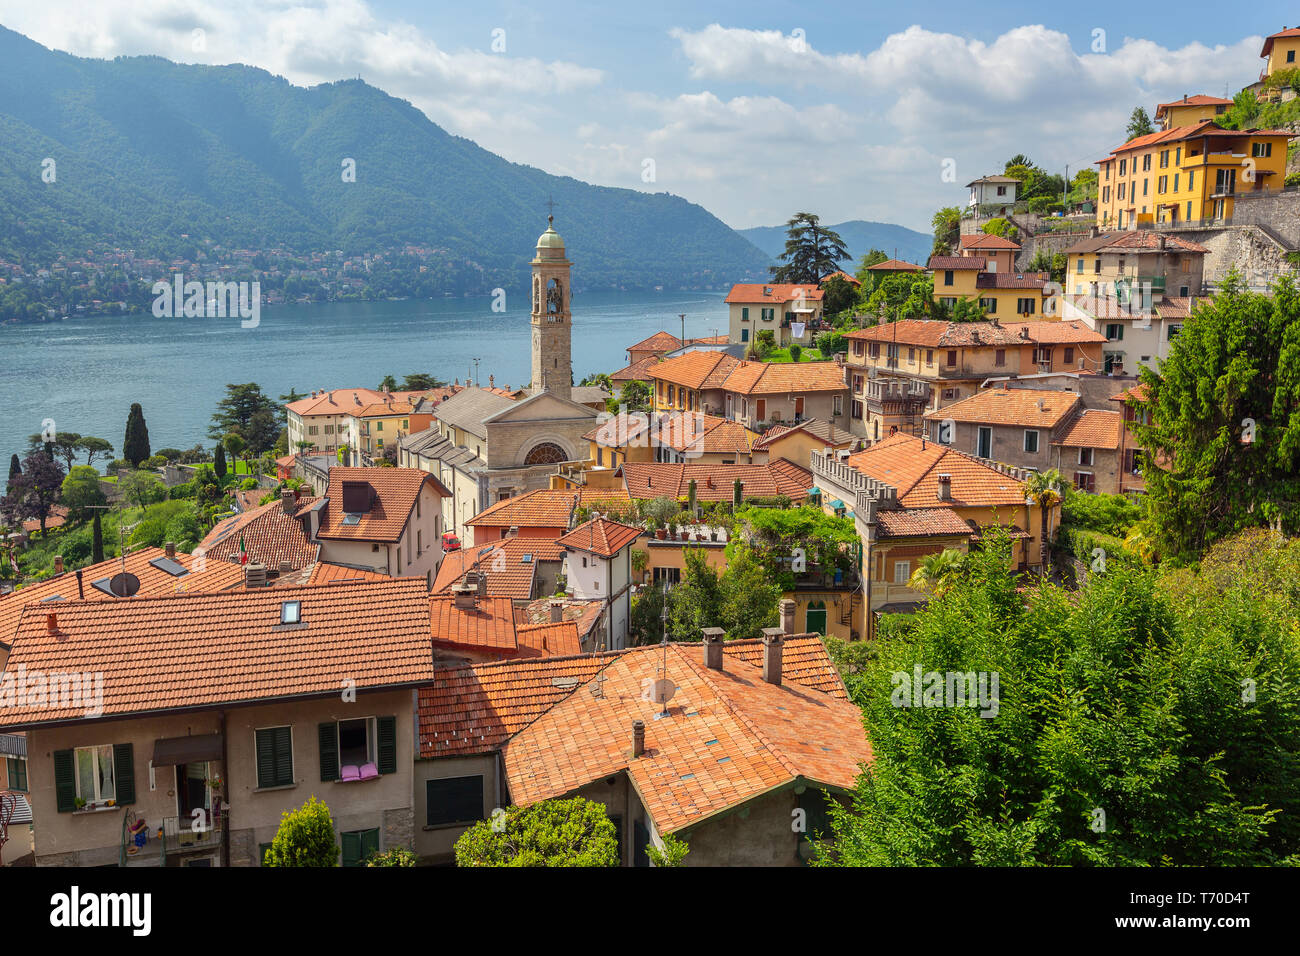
column 551, row 318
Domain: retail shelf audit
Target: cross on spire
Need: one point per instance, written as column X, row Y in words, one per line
column 550, row 205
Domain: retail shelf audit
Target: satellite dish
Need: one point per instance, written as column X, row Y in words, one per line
column 124, row 584
column 662, row 690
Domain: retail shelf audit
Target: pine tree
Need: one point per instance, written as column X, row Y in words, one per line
column 135, row 447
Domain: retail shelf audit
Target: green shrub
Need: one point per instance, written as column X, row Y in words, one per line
column 574, row 832
column 396, row 856
column 305, row 838
column 248, row 484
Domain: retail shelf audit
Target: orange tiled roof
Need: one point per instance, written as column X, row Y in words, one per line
column 921, row 523
column 1071, row 332
column 543, row 508
column 1021, row 407
column 585, row 614
column 645, row 480
column 730, row 737
column 1268, row 40
column 269, row 534
column 502, row 563
column 814, row 427
column 600, row 536
column 659, row 342
column 154, row 579
column 336, row 401
column 896, row 265
column 203, row 650
column 396, row 491
column 1012, row 280
column 474, row 708
column 695, row 369
column 637, row 371
column 913, row 466
column 1093, row 429
column 803, row 660
column 488, row 626
column 935, row 333
column 768, row 293
column 841, row 274
column 1138, row 393
column 57, row 518
column 983, row 240
column 768, row 378
column 323, row 572
column 1200, row 99
column 549, row 640
column 955, row 264
column 682, row 431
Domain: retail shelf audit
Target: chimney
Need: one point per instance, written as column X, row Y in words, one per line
column 482, row 585
column 787, row 615
column 945, row 487
column 286, row 567
column 492, row 381
column 1093, row 232
column 254, row 575
column 81, row 591
column 169, row 549
column 773, row 642
column 52, row 623
column 58, row 564
column 638, row 738
column 557, row 612
column 713, row 647
column 1040, row 405
column 287, row 501
column 1161, row 242
column 465, row 594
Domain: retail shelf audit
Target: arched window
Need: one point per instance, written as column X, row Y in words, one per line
column 815, row 622
column 554, row 297
column 547, row 453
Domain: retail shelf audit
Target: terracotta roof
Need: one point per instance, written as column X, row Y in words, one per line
column 502, row 563
column 688, row 432
column 1012, row 280
column 1136, row 240
column 549, row 640
column 385, row 409
column 821, row 430
column 323, row 572
column 771, row 378
column 585, row 614
column 600, row 536
column 1195, row 131
column 803, row 660
column 474, row 708
column 993, row 179
column 913, row 466
column 841, row 274
column 543, row 508
column 204, row 650
column 1093, row 429
column 1281, row 34
column 488, row 626
column 659, row 342
column 1071, row 332
column 395, row 491
column 955, row 264
column 57, row 517
column 645, row 480
column 1020, row 407
column 730, row 737
column 769, row 293
column 895, row 265
column 921, row 523
column 637, row 371
column 1200, row 99
column 269, row 535
column 1138, row 393
column 935, row 333
column 984, row 240
column 695, row 370
column 147, row 564
column 336, row 401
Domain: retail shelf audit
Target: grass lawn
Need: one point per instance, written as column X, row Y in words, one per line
column 783, row 356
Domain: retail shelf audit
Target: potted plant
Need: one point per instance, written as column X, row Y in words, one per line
column 81, row 803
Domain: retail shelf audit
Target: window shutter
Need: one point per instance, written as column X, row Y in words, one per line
column 283, row 757
column 329, row 751
column 351, row 849
column 124, row 771
column 369, row 843
column 65, row 782
column 266, row 758
column 387, row 731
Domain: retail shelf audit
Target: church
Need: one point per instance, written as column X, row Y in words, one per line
column 486, row 447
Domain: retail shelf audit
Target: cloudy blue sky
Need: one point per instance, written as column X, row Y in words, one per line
column 755, row 110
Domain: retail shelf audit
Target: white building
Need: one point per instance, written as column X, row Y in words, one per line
column 598, row 567
column 992, row 190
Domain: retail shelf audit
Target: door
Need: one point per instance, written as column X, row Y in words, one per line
column 984, row 443
column 815, row 621
column 798, row 408
column 191, row 789
column 760, row 410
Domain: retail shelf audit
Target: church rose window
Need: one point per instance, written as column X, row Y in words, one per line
column 547, row 453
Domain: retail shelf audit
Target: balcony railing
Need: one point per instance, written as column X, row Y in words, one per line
column 148, row 844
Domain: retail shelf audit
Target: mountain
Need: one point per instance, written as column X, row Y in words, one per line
column 156, row 156
column 859, row 236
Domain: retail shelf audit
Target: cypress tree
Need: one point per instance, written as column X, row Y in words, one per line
column 219, row 462
column 135, row 448
column 15, row 468
column 97, row 542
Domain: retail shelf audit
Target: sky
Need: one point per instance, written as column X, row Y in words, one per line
column 754, row 110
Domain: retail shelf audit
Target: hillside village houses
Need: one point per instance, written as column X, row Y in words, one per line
column 791, row 312
column 993, row 191
column 984, row 271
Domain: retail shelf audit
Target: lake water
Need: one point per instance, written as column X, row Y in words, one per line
column 85, row 372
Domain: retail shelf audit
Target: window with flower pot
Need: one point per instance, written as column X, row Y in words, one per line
column 88, row 778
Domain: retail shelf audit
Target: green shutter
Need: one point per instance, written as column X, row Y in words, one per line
column 124, row 771
column 387, row 728
column 351, row 849
column 283, row 757
column 65, row 782
column 329, row 751
column 266, row 758
column 369, row 843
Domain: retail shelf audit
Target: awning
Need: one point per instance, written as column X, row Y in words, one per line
column 837, row 504
column 814, row 490
column 173, row 751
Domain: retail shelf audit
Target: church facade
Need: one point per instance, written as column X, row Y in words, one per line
column 486, row 447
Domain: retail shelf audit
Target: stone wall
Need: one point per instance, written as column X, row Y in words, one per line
column 1277, row 211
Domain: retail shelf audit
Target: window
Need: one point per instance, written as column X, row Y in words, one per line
column 1261, row 150
column 379, row 426
column 453, row 801
column 1025, row 306
column 1162, row 184
column 17, row 767
column 1178, row 156
column 838, row 408
column 1079, row 269
column 1191, row 184
column 857, row 408
column 911, row 354
column 744, row 314
column 1000, row 357
column 358, row 845
column 1085, row 456
column 1120, row 193
column 744, row 335
column 1145, row 184
column 291, row 612
column 95, row 774
column 929, row 356
column 815, row 618
column 1173, row 331
column 1069, row 355
column 989, row 305
column 874, row 350
column 1031, row 442
column 769, row 315
column 947, row 277
column 358, row 749
column 951, row 358
column 1115, row 331
column 1164, row 160
column 1290, row 56
column 1175, row 187
column 1084, row 481
column 311, row 429
column 984, row 442
column 1123, row 165
column 902, row 572
column 274, row 747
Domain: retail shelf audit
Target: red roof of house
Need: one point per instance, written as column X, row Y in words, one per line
column 1268, row 40
column 895, row 265
column 913, row 466
column 395, row 491
column 1200, row 99
column 1093, row 429
column 984, row 240
column 769, row 293
column 646, row 480
column 600, row 536
column 270, row 535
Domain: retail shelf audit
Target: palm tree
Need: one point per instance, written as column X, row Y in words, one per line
column 1044, row 487
column 234, row 444
column 937, row 572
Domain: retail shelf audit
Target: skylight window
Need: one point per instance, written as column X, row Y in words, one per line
column 171, row 566
column 291, row 612
column 526, row 559
column 349, row 519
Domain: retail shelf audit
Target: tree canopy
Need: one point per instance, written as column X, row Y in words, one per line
column 250, row 414
column 573, row 832
column 812, row 252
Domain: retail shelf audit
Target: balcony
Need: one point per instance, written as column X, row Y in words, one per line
column 162, row 843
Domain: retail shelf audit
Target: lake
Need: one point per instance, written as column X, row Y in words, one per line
column 85, row 372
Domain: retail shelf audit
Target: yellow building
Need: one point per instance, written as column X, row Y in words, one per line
column 1281, row 52
column 673, row 436
column 1190, row 110
column 984, row 270
column 1187, row 174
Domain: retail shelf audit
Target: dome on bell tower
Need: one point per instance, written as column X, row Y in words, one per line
column 550, row 239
